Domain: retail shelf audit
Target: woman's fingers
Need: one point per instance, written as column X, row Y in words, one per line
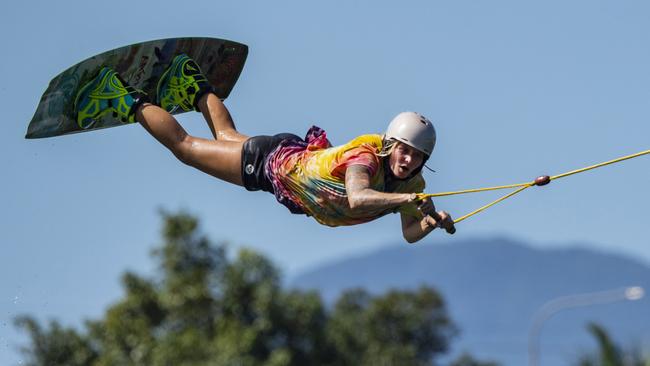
column 446, row 222
column 438, row 219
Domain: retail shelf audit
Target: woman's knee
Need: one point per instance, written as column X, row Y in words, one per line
column 183, row 149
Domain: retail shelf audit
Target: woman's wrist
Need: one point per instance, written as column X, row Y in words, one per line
column 411, row 197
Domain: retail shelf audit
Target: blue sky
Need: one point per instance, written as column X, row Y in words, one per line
column 515, row 89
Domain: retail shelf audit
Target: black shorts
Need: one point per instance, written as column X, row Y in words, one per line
column 253, row 158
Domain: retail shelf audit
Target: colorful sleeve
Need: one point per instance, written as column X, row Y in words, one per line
column 364, row 154
column 414, row 185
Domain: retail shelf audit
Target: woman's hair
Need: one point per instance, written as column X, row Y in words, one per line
column 387, row 147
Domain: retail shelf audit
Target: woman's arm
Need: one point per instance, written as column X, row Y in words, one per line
column 362, row 197
column 415, row 229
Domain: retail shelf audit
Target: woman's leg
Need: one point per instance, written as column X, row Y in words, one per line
column 219, row 158
column 219, row 119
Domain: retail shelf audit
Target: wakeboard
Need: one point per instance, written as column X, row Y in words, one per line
column 141, row 65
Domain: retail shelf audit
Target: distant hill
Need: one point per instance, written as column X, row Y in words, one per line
column 493, row 287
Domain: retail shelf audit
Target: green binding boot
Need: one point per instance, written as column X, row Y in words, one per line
column 106, row 94
column 182, row 85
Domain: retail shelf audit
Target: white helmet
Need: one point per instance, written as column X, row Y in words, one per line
column 414, row 130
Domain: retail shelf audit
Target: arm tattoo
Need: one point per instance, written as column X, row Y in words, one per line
column 361, row 196
column 357, row 178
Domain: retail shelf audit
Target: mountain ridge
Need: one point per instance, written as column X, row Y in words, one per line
column 493, row 287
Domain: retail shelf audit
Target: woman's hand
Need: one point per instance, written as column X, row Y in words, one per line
column 435, row 219
column 440, row 219
column 415, row 228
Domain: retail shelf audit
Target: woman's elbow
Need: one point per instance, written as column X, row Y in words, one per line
column 355, row 202
column 184, row 150
column 410, row 238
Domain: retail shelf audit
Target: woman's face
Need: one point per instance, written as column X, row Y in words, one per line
column 404, row 160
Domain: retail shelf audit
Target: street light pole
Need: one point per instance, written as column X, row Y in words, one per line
column 552, row 307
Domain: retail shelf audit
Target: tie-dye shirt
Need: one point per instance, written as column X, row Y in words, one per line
column 309, row 177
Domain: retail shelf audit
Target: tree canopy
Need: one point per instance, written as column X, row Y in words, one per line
column 205, row 308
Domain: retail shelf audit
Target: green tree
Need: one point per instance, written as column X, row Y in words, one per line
column 398, row 328
column 467, row 360
column 126, row 335
column 610, row 354
column 204, row 308
column 56, row 345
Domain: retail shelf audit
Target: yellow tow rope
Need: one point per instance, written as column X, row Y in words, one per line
column 539, row 181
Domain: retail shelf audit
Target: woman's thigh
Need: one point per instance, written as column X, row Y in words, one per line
column 219, row 158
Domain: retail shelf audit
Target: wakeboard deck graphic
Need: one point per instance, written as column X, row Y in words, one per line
column 141, row 65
